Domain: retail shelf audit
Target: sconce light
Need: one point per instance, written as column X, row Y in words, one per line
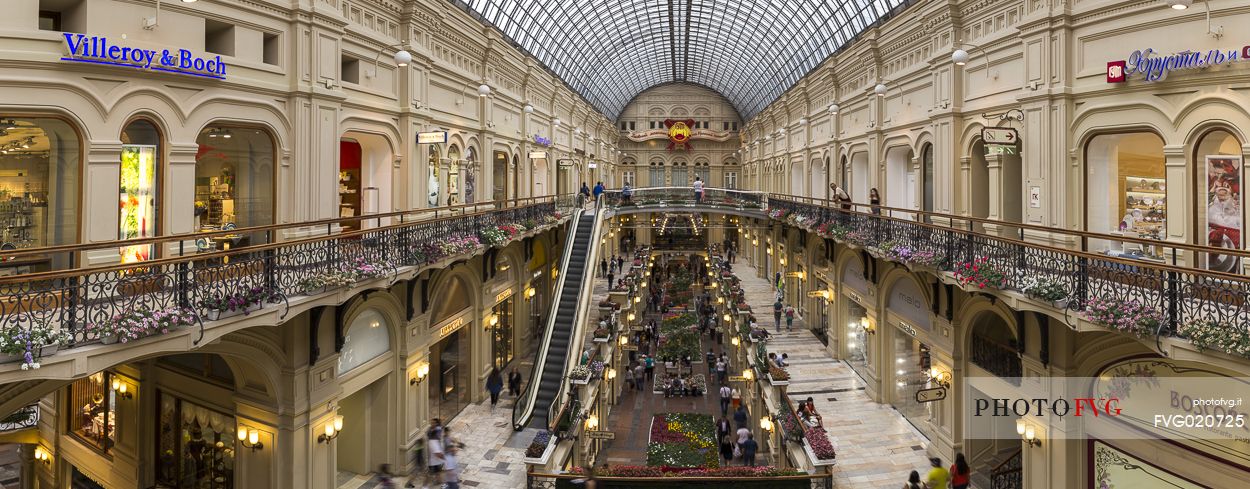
column 802, row 121
column 715, row 285
column 940, row 377
column 631, row 317
column 960, row 57
column 783, row 261
column 728, row 318
column 833, row 109
column 755, row 242
column 121, row 390
column 42, row 455
column 770, row 250
column 611, row 373
column 1026, row 432
column 493, row 320
column 624, row 340
column 735, row 341
column 530, row 292
column 766, row 424
column 483, row 90
column 720, row 300
column 423, row 371
column 867, row 326
column 592, row 423
column 332, row 430
column 748, row 374
column 250, row 438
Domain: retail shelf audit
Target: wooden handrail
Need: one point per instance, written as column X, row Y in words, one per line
column 510, row 203
column 1034, row 227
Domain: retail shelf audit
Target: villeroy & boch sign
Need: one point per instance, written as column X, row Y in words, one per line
column 98, row 50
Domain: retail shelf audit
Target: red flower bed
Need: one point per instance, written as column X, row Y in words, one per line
column 661, row 434
column 819, row 441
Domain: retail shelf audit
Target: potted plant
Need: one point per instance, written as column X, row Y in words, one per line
column 1124, row 315
column 601, row 334
column 539, row 450
column 243, row 302
column 818, row 447
column 133, row 325
column 31, row 343
column 1045, row 288
column 778, row 376
column 1221, row 336
column 580, row 375
column 981, row 273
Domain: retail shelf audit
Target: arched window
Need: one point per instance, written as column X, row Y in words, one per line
column 139, row 194
column 40, row 159
column 367, row 337
column 926, row 170
column 453, row 176
column 234, row 178
column 1219, row 161
column 499, row 172
column 1126, row 185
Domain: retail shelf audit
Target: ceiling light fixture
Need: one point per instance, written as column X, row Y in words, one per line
column 833, row 109
column 880, row 89
column 1180, row 4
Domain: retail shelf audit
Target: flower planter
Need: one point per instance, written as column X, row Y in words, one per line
column 49, row 350
column 10, row 358
column 1060, row 304
column 315, row 291
column 580, row 381
column 812, row 456
column 777, row 383
column 216, row 315
column 108, row 339
column 546, row 456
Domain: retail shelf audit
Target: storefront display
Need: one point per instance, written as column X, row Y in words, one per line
column 195, row 446
column 349, row 182
column 857, row 349
column 432, row 183
column 1127, row 175
column 233, row 182
column 138, row 200
column 1223, row 203
column 911, row 366
column 502, row 349
column 39, row 189
column 93, row 421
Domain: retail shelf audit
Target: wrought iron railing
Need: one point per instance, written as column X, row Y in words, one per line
column 26, row 417
column 78, row 301
column 996, row 358
column 1009, row 474
column 538, row 480
column 1177, row 294
column 677, row 197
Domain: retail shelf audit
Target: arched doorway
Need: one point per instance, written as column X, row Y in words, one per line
column 432, row 185
column 44, row 155
column 798, row 178
column 900, row 180
column 369, row 396
column 541, row 170
column 926, row 184
column 234, row 179
column 978, row 183
column 859, row 179
column 450, row 357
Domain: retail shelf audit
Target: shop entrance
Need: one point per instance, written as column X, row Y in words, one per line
column 450, row 361
column 365, row 173
column 911, row 364
column 364, row 447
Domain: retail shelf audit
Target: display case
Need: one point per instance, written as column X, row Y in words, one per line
column 1145, row 207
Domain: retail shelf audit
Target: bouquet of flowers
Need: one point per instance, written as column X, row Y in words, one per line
column 133, row 325
column 1044, row 288
column 1127, row 316
column 539, row 444
column 596, row 367
column 778, row 213
column 981, row 273
column 1210, row 334
column 363, row 268
column 859, row 237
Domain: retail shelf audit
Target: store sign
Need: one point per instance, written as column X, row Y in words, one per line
column 930, row 395
column 592, row 165
column 999, row 135
column 1153, row 66
column 908, row 302
column 542, row 141
column 432, row 137
column 98, row 50
column 502, row 296
column 564, row 163
column 450, row 327
column 737, row 378
column 853, row 276
column 538, row 155
column 629, row 347
column 601, row 435
column 907, row 328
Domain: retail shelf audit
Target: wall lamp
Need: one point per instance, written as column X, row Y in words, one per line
column 867, row 326
column 592, row 423
column 631, row 317
column 250, row 438
column 423, row 371
column 624, row 340
column 42, row 455
column 735, row 341
column 1027, row 433
column 766, row 424
column 492, row 321
column 611, row 373
column 402, row 58
column 121, row 390
column 530, row 292
column 748, row 374
column 332, row 430
column 940, row 377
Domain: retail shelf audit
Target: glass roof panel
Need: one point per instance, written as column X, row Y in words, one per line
column 751, row 51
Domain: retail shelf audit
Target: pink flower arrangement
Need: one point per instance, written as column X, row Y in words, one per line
column 778, row 213
column 1127, row 316
column 819, row 441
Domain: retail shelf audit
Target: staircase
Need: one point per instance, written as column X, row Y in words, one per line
column 547, row 380
column 1000, row 471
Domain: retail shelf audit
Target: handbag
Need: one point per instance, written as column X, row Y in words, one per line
column 737, row 451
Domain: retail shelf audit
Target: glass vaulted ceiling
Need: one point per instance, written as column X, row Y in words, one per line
column 750, row 51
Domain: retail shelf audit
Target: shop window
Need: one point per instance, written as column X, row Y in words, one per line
column 367, row 338
column 1220, row 199
column 350, row 179
column 432, row 184
column 349, row 69
column 272, row 46
column 500, row 175
column 453, row 176
column 926, row 171
column 234, row 180
column 138, row 194
column 219, row 37
column 501, row 333
column 39, row 189
column 470, row 175
column 1126, row 191
column 92, row 419
column 62, row 15
column 195, row 446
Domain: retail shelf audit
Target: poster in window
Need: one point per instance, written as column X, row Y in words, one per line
column 137, row 200
column 1223, row 210
column 453, row 188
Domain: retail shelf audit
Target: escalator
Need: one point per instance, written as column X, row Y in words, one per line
column 546, row 383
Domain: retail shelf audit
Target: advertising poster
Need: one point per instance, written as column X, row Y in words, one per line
column 1223, row 210
column 137, row 200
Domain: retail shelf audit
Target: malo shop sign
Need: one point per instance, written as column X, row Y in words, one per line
column 1153, row 66
column 100, row 50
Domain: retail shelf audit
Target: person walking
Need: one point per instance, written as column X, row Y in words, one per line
column 874, row 200
column 611, row 278
column 938, row 475
column 777, row 315
column 726, row 449
column 514, row 383
column 723, row 428
column 434, row 450
column 720, row 370
column 650, row 361
column 494, row 384
column 385, row 479
column 735, row 398
column 790, row 318
column 598, row 191
column 913, row 481
column 698, row 190
column 725, row 394
column 629, row 378
column 640, row 379
column 451, row 469
column 603, row 267
column 749, row 448
column 960, row 473
column 583, row 195
column 740, row 417
column 627, row 194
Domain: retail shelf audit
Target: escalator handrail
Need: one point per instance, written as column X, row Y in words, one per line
column 582, row 308
column 524, row 407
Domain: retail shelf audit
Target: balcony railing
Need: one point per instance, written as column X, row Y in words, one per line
column 1165, row 299
column 674, row 198
column 78, row 301
column 996, row 358
column 26, row 417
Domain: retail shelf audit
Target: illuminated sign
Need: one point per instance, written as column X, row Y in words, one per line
column 451, row 327
column 1153, row 66
column 538, row 155
column 432, row 137
column 907, row 328
column 502, row 296
column 98, row 50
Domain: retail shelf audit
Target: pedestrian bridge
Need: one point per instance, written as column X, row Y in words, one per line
column 682, row 199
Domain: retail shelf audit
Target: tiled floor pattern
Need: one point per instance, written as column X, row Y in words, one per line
column 876, row 447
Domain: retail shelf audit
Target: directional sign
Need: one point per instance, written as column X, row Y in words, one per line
column 930, row 395
column 737, row 378
column 998, row 149
column 1000, row 135
column 629, row 347
column 538, row 155
column 600, row 435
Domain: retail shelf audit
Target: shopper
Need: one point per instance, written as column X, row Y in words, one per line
column 960, row 473
column 723, row 428
column 725, row 395
column 434, row 448
column 749, row 447
column 650, row 363
column 740, row 417
column 514, row 383
column 627, row 194
column 726, row 449
column 938, row 475
column 874, row 199
column 913, row 481
column 583, row 195
column 640, row 378
column 598, row 191
column 494, row 384
column 777, row 314
column 451, row 470
column 789, row 318
column 698, row 190
column 629, row 378
column 839, row 196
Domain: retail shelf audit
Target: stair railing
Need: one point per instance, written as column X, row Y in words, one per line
column 524, row 408
column 1009, row 473
column 582, row 309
